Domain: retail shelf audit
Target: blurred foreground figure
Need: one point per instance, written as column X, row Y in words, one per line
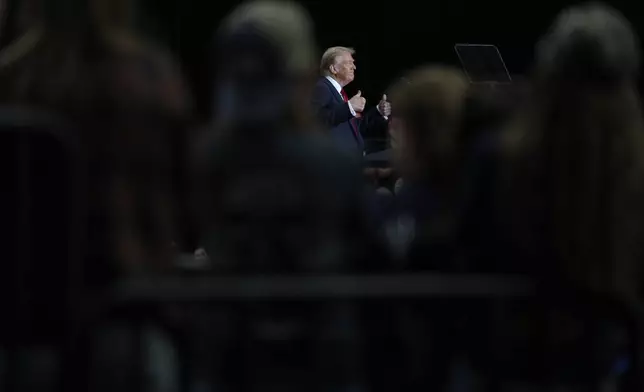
column 276, row 198
column 577, row 155
column 122, row 101
column 279, row 197
column 128, row 103
column 434, row 128
column 444, row 139
column 572, row 197
column 427, row 151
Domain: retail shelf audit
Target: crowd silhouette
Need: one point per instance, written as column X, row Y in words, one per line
column 111, row 187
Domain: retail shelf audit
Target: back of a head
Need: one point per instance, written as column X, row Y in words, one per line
column 428, row 104
column 589, row 44
column 78, row 60
column 586, row 67
column 126, row 100
column 578, row 150
column 67, row 41
column 265, row 50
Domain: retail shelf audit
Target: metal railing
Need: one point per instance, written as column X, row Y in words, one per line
column 210, row 289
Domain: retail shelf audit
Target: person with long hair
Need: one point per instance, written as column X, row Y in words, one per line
column 79, row 60
column 570, row 199
column 575, row 156
column 428, row 155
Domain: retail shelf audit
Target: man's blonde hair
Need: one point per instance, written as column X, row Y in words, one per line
column 329, row 56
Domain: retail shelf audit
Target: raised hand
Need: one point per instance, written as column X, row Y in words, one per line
column 357, row 102
column 384, row 107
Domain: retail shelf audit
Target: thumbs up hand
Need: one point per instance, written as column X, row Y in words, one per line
column 384, row 107
column 357, row 102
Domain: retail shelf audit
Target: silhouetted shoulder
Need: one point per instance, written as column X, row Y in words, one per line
column 20, row 48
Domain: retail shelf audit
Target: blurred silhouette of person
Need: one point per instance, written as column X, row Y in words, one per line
column 425, row 132
column 422, row 226
column 442, row 133
column 275, row 196
column 571, row 196
column 129, row 104
column 579, row 152
column 347, row 118
column 263, row 139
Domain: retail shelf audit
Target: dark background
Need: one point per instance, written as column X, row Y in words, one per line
column 389, row 36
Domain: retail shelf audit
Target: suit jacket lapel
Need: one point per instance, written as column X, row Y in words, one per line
column 336, row 94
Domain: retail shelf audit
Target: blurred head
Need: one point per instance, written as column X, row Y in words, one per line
column 577, row 154
column 584, row 90
column 266, row 62
column 427, row 106
column 591, row 44
column 337, row 62
column 586, row 67
column 127, row 102
column 584, row 87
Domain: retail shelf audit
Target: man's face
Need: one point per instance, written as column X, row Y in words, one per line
column 344, row 69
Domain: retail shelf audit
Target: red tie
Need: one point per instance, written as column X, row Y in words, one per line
column 353, row 121
column 344, row 95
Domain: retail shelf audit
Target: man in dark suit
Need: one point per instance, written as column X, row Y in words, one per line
column 346, row 118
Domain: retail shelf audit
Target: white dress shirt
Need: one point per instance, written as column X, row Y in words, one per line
column 339, row 88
